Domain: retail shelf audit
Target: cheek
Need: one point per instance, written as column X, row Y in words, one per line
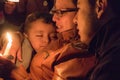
column 67, row 22
column 81, row 22
column 36, row 44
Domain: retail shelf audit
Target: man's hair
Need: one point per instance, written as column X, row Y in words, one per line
column 75, row 2
column 115, row 6
column 92, row 2
column 45, row 17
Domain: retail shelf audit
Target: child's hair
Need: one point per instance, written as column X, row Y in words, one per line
column 45, row 17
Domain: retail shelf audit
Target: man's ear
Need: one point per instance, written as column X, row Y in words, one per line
column 100, row 7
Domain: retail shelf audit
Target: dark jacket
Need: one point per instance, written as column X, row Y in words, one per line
column 106, row 46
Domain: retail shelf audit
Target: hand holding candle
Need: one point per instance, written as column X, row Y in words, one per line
column 11, row 46
column 8, row 47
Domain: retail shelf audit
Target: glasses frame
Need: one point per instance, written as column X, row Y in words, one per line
column 60, row 12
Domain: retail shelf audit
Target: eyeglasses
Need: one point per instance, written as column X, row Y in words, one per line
column 60, row 12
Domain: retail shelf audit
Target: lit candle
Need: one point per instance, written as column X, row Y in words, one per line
column 9, row 44
column 13, row 0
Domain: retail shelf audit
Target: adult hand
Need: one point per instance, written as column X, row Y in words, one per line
column 15, row 49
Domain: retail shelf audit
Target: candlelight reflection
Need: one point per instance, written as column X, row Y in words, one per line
column 9, row 44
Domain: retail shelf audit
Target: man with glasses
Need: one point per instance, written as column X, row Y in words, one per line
column 99, row 27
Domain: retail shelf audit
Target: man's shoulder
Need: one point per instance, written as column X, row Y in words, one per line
column 73, row 50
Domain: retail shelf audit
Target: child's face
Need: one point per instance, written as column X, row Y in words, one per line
column 41, row 34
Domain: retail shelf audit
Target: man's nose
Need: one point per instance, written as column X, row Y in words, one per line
column 46, row 40
column 55, row 18
column 75, row 19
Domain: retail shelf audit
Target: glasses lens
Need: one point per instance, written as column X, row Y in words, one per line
column 60, row 12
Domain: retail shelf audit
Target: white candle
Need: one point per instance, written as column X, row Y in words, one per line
column 14, row 0
column 9, row 44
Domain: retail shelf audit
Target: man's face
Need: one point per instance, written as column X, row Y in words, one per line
column 9, row 7
column 64, row 20
column 41, row 34
column 86, row 20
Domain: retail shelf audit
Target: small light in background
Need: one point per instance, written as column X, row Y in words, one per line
column 13, row 0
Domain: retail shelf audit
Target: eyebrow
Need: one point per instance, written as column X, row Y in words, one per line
column 39, row 32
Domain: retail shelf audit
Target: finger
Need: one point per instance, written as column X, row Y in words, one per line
column 3, row 48
column 19, row 54
column 13, row 52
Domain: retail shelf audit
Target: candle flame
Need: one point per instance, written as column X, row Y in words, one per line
column 9, row 44
column 9, row 37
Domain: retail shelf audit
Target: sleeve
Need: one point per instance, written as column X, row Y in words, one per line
column 73, row 66
column 20, row 73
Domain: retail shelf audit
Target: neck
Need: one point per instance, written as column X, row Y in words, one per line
column 70, row 35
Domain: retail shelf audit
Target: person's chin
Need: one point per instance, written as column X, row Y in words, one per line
column 41, row 48
column 59, row 30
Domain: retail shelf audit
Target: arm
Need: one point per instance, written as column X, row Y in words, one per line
column 73, row 64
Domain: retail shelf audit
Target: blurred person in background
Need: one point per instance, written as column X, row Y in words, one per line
column 19, row 10
column 12, row 14
column 43, row 6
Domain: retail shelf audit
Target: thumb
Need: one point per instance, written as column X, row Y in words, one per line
column 19, row 54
